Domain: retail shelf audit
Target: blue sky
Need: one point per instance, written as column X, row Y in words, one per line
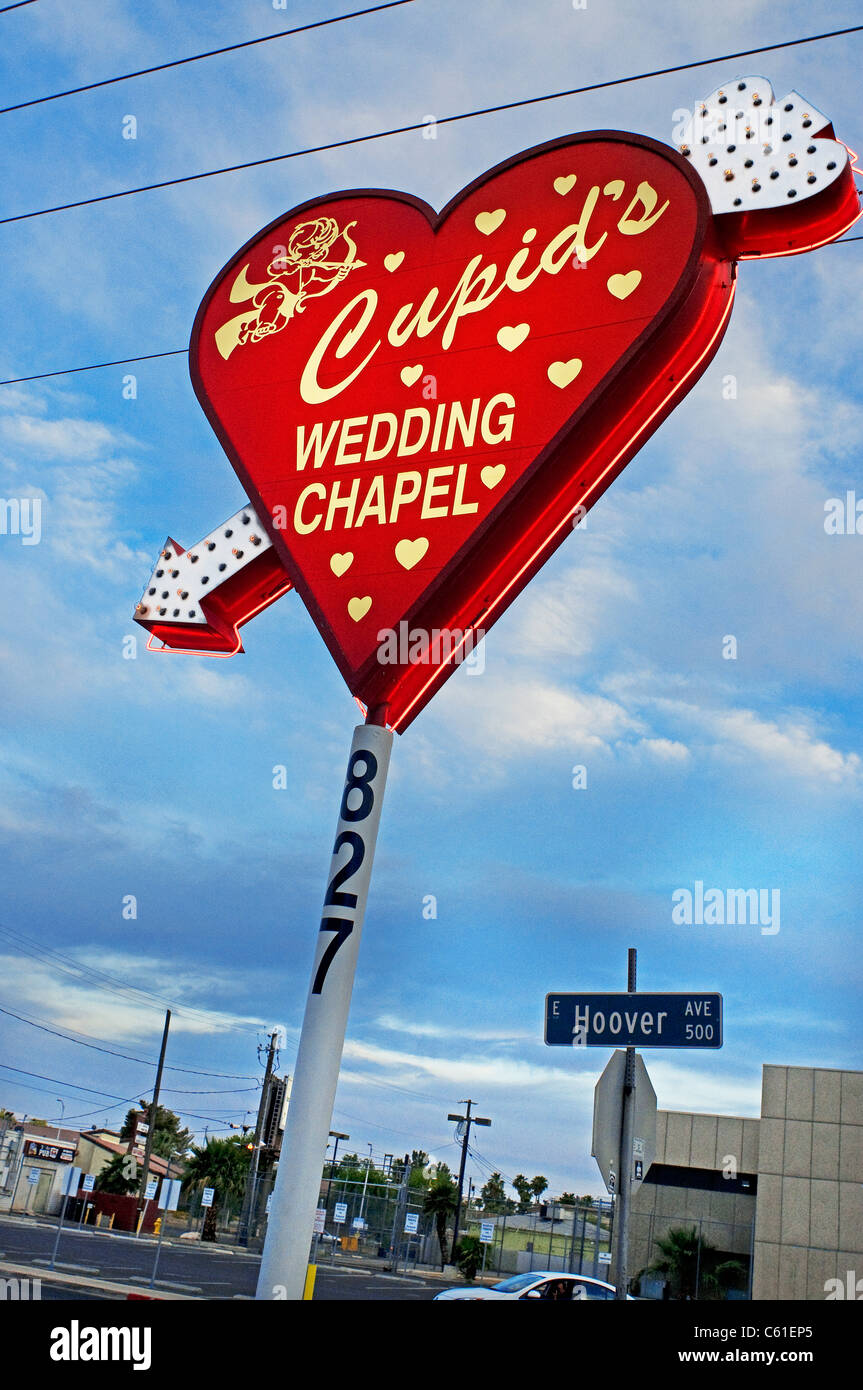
column 154, row 776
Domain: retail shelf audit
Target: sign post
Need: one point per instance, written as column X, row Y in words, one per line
column 71, row 1179
column 626, row 1137
column 624, row 1147
column 295, row 1196
column 168, row 1199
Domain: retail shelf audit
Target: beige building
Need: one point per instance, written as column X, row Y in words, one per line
column 809, row 1215
column 34, row 1159
column 34, row 1162
column 783, row 1193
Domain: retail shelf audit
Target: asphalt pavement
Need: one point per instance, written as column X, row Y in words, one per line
column 186, row 1269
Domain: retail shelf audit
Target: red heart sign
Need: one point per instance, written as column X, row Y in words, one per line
column 420, row 404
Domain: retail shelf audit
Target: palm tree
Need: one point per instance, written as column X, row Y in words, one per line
column 538, row 1185
column 679, row 1251
column 222, row 1164
column 116, row 1176
column 440, row 1202
column 693, row 1266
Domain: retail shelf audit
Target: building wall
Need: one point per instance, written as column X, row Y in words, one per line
column 713, row 1144
column 809, row 1224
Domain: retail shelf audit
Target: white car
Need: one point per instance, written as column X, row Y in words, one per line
column 545, row 1284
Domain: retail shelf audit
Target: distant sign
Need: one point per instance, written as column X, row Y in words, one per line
column 320, row 1221
column 340, row 1215
column 604, row 1257
column 412, row 1223
column 33, row 1176
column 633, row 1020
column 170, row 1194
column 358, row 1224
column 486, row 1232
column 150, row 1189
column 207, row 1196
column 54, row 1153
column 89, row 1182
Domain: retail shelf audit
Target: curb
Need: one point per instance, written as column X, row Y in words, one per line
column 53, row 1276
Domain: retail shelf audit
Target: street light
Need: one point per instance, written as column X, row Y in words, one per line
column 337, row 1135
column 62, row 1113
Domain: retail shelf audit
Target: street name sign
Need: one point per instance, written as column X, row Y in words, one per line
column 690, row 1019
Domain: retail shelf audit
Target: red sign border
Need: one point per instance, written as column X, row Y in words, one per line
column 356, row 678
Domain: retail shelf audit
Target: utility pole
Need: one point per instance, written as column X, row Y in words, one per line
column 626, row 1136
column 152, row 1112
column 467, row 1120
column 246, row 1215
column 365, row 1185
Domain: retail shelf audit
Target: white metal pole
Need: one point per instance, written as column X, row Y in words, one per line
column 295, row 1196
column 624, row 1196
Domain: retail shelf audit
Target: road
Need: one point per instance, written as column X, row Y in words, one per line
column 190, row 1269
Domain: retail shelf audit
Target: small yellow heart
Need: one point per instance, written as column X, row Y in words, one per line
column 562, row 373
column 359, row 607
column 409, row 553
column 564, row 184
column 488, row 222
column 512, row 335
column 394, row 260
column 339, row 564
column 621, row 286
column 411, row 374
column 492, row 474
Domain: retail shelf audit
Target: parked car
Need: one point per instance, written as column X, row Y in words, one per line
column 545, row 1284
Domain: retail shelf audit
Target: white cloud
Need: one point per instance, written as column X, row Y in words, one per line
column 528, row 714
column 793, row 748
column 83, row 1007
column 484, row 1071
column 393, row 1024
column 67, row 439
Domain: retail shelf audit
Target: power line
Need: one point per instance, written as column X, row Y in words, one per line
column 96, row 366
column 55, row 1080
column 146, row 1061
column 19, row 4
column 121, row 1100
column 421, row 125
column 197, row 57
column 100, row 980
